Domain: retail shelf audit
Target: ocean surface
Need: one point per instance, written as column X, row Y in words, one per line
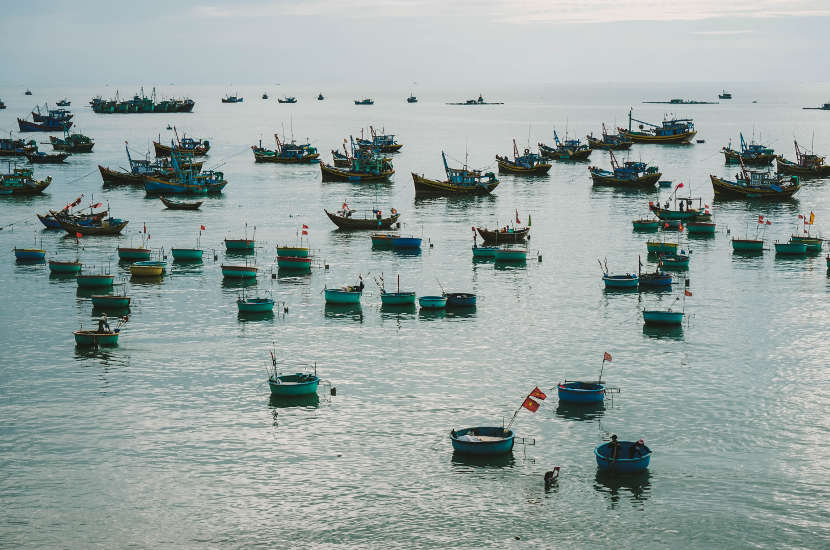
column 171, row 439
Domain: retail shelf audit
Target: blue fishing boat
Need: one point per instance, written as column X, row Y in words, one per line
column 433, row 302
column 460, row 182
column 630, row 174
column 239, row 244
column 527, row 164
column 581, row 392
column 665, row 183
column 20, row 182
column 365, row 165
column 407, row 242
column 570, row 149
column 16, row 147
column 344, row 295
column 484, row 251
column 646, row 224
column 671, row 131
column 110, row 301
column 148, row 268
column 608, row 141
column 627, row 281
column 482, row 440
column 365, row 101
column 291, row 385
column 232, row 99
column 750, row 154
column 59, row 115
column 254, row 305
column 286, row 153
column 756, row 184
column 133, row 254
column 382, row 143
column 629, row 459
column 48, row 125
column 287, row 99
column 662, row 317
column 460, row 299
column 658, row 279
column 29, row 254
column 102, row 336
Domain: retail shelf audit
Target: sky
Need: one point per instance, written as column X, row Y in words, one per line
column 436, row 43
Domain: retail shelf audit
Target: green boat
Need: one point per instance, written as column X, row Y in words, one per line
column 647, row 224
column 134, row 254
column 658, row 247
column 56, row 266
column 675, row 261
column 254, row 305
column 93, row 338
column 747, row 245
column 345, row 295
column 187, row 254
column 701, row 228
column 510, row 254
column 294, row 263
column 790, row 249
column 397, row 298
column 293, row 251
column 92, row 281
column 814, row 244
column 239, row 244
column 110, row 301
column 484, row 251
column 239, row 271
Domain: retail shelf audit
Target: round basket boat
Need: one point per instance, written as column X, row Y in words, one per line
column 581, row 392
column 433, row 302
column 626, row 461
column 293, row 385
column 482, row 440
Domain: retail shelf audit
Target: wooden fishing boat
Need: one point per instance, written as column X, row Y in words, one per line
column 646, row 224
column 504, row 235
column 701, row 228
column 366, row 101
column 345, row 295
column 187, row 254
column 20, row 182
column 94, row 280
column 287, row 99
column 484, row 251
column 751, row 154
column 72, row 143
column 341, row 160
column 49, row 125
column 365, row 219
column 675, row 261
column 148, row 268
column 614, row 142
column 479, row 101
column 627, row 281
column 482, row 440
column 790, row 248
column 460, row 182
column 57, row 266
column 239, row 244
column 568, row 150
column 232, row 99
column 509, row 253
column 10, row 147
column 286, row 153
column 294, row 263
column 185, row 179
column 39, row 157
column 154, row 185
column 110, row 301
column 661, row 247
column 682, row 210
column 134, row 254
column 119, row 177
column 581, row 392
column 365, row 166
column 528, row 164
column 29, row 254
column 752, row 184
column 460, row 299
column 432, row 302
column 58, row 115
column 239, row 271
column 141, row 104
column 630, row 175
column 197, row 148
column 381, row 143
column 672, row 131
column 180, row 205
column 622, row 464
column 747, row 245
column 107, row 226
column 806, row 164
column 50, row 222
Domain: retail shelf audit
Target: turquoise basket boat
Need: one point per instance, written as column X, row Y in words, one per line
column 482, row 440
column 510, row 254
column 255, row 305
column 293, row 251
column 655, row 247
column 814, row 244
column 405, row 298
column 134, row 254
column 581, row 392
column 646, row 225
column 701, row 228
column 484, row 251
column 92, row 281
column 187, row 254
column 433, row 302
column 110, row 301
column 747, row 245
column 675, row 261
column 56, row 266
column 348, row 295
column 294, row 263
column 238, row 245
column 29, row 254
column 791, row 249
column 461, row 299
column 622, row 464
column 627, row 281
column 662, row 317
column 148, row 268
column 93, row 338
column 239, row 271
column 293, row 385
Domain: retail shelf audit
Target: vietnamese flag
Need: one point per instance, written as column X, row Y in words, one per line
column 78, row 235
column 538, row 394
column 305, row 232
column 202, row 227
column 305, row 226
column 606, row 356
column 530, row 405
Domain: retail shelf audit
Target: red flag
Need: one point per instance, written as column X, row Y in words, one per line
column 305, row 226
column 760, row 219
column 666, row 224
column 78, row 235
column 800, row 217
column 517, row 216
column 96, row 205
column 688, row 292
column 606, row 356
column 769, row 222
column 679, row 185
column 145, row 228
column 530, row 405
column 680, row 227
column 305, row 232
column 345, row 206
column 202, row 227
column 538, row 394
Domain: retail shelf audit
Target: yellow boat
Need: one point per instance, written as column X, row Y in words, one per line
column 676, row 130
column 148, row 269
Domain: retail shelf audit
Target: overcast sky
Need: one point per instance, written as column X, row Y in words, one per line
column 435, row 42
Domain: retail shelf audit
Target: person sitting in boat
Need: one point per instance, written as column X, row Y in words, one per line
column 360, row 284
column 638, row 449
column 614, row 447
column 103, row 325
column 681, row 205
column 667, row 205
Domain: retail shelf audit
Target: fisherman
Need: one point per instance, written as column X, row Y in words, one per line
column 681, row 205
column 637, row 449
column 103, row 326
column 552, row 477
column 360, row 284
column 614, row 447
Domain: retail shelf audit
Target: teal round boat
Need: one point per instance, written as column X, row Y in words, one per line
column 293, row 251
column 295, row 263
column 110, row 301
column 56, row 266
column 30, row 254
column 134, row 254
column 747, row 245
column 662, row 317
column 92, row 281
column 510, row 254
column 675, row 261
column 239, row 271
column 293, row 385
column 814, row 244
column 701, row 228
column 404, row 298
column 187, row 254
column 791, row 249
column 646, row 225
column 484, row 251
column 93, row 338
column 348, row 295
column 255, row 305
column 433, row 302
column 239, row 244
column 629, row 281
column 655, row 247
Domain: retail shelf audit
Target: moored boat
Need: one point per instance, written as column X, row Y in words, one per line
column 807, row 164
column 365, row 101
column 10, row 147
column 287, row 99
column 747, row 245
column 630, row 174
column 460, row 182
column 180, row 205
column 672, row 131
column 482, row 440
column 106, row 226
column 187, row 254
column 484, row 251
column 751, row 154
column 72, row 143
column 432, row 302
column 20, row 182
column 628, row 459
column 233, row 99
column 397, row 298
column 581, row 392
column 247, row 304
column 344, row 295
column 790, row 248
column 286, row 153
column 504, row 235
column 701, row 228
column 94, row 280
column 133, row 254
column 646, row 224
column 460, row 299
column 30, row 254
column 39, row 157
column 568, row 150
column 58, row 266
column 756, row 184
column 365, row 166
column 239, row 271
column 675, row 261
column 148, row 268
column 295, row 263
column 197, row 148
column 527, row 164
column 627, row 281
column 349, row 219
column 48, row 125
column 662, row 317
column 110, row 301
column 382, row 143
column 510, row 253
column 614, row 142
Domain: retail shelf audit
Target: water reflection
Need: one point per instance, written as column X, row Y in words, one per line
column 431, row 314
column 344, row 311
column 253, row 316
column 389, row 311
column 146, row 281
column 311, row 401
column 509, row 266
column 633, row 487
column 506, row 460
column 668, row 332
column 574, row 411
column 293, row 276
column 229, row 282
column 115, row 312
column 62, row 277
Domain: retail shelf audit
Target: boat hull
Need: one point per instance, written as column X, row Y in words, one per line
column 791, row 249
column 187, row 254
column 239, row 244
column 499, row 441
column 747, row 245
column 432, row 302
column 255, row 305
column 397, row 298
column 512, row 236
column 64, row 267
column 646, row 225
column 508, row 167
column 117, row 177
column 510, row 255
column 93, row 281
column 484, row 251
column 346, row 223
column 289, row 386
column 581, row 392
column 460, row 299
column 660, row 317
column 621, row 465
column 621, row 281
column 701, row 228
column 340, row 296
column 133, row 254
column 295, row 263
column 239, row 271
column 661, row 248
column 29, row 254
column 638, row 137
column 293, row 251
column 147, row 269
column 425, row 187
column 331, row 173
column 110, row 301
column 723, row 188
column 647, row 180
column 91, row 338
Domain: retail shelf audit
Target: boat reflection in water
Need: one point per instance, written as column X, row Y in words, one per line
column 431, row 314
column 248, row 316
column 635, row 488
column 669, row 332
column 575, row 411
column 310, row 401
column 237, row 283
column 482, row 461
column 344, row 311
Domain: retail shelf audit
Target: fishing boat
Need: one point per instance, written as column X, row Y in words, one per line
column 824, row 107
column 664, row 183
column 20, row 182
column 511, row 253
column 141, row 104
column 94, row 280
column 675, row 261
column 232, row 99
column 460, row 299
column 103, row 336
column 48, row 125
column 661, row 247
column 343, row 295
column 504, row 235
column 27, row 92
column 257, row 304
column 805, row 165
column 51, row 222
column 237, row 245
column 365, row 166
column 239, row 271
column 180, row 205
column 412, row 99
column 479, row 101
column 63, row 103
column 294, row 263
column 198, row 148
column 349, row 219
column 460, row 182
column 581, row 392
column 320, row 97
column 58, row 266
column 187, row 254
column 752, row 153
column 72, row 143
column 528, row 164
column 568, row 150
column 382, row 143
column 397, row 298
column 725, row 95
column 29, row 254
column 134, row 254
column 58, row 115
column 679, row 208
column 747, row 245
column 630, row 175
column 790, row 248
column 341, row 160
column 701, row 228
column 106, row 226
column 673, row 131
column 657, row 279
column 755, row 184
column 291, row 385
column 395, row 241
column 486, row 252
column 39, row 157
column 627, row 281
column 366, row 101
column 646, row 224
column 662, row 317
column 432, row 302
column 286, row 153
column 2, row 105
column 615, row 142
column 814, row 244
column 287, row 99
column 185, row 181
column 148, row 268
column 622, row 464
column 10, row 147
column 482, row 440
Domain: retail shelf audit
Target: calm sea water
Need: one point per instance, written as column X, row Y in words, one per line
column 171, row 439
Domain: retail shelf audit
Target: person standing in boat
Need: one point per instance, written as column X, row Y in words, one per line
column 638, row 449
column 103, row 325
column 614, row 447
column 360, row 284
